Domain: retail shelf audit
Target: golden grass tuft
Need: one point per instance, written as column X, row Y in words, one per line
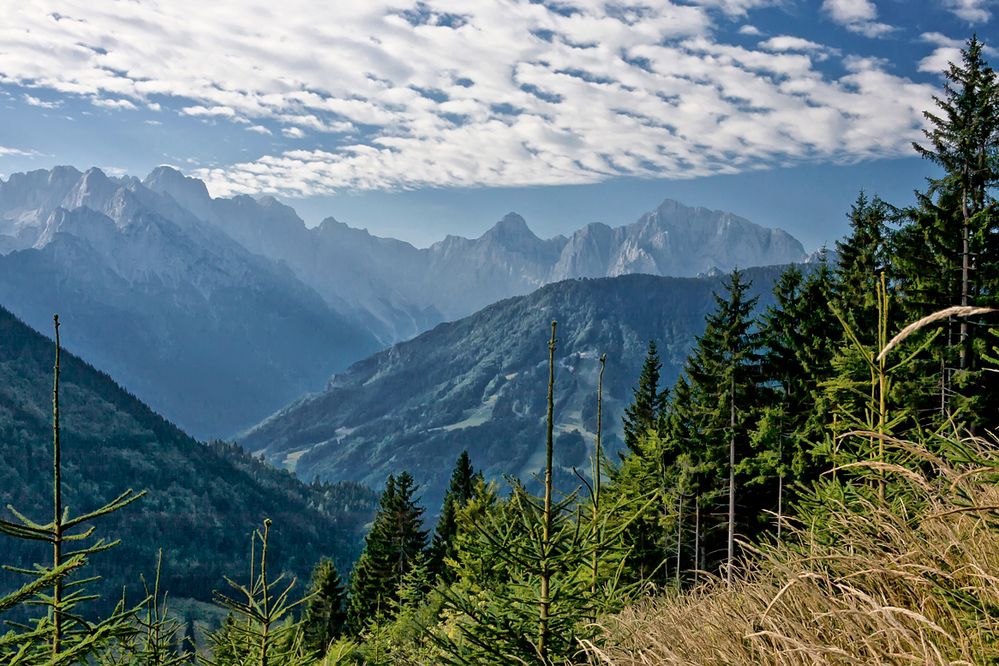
column 909, row 580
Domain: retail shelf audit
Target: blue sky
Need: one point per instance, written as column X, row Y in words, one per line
column 418, row 118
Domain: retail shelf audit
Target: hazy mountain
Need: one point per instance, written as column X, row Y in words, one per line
column 213, row 336
column 480, row 383
column 363, row 276
column 202, row 503
column 398, row 290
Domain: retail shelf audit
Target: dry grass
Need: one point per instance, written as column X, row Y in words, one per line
column 916, row 582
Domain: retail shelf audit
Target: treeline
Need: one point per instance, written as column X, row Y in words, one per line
column 782, row 418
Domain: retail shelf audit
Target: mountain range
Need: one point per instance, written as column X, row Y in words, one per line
column 202, row 500
column 220, row 311
column 399, row 290
column 480, row 384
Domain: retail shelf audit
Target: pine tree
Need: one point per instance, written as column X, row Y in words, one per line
column 525, row 589
column 324, row 616
column 649, row 404
column 640, row 476
column 723, row 372
column 948, row 251
column 799, row 335
column 862, row 257
column 396, row 539
column 260, row 629
column 190, row 640
column 460, row 490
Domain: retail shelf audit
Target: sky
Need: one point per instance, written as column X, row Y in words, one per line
column 420, row 118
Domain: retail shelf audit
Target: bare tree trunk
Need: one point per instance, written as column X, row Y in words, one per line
column 679, row 537
column 697, row 537
column 56, row 503
column 597, row 453
column 965, row 265
column 731, row 485
column 266, row 624
column 546, row 527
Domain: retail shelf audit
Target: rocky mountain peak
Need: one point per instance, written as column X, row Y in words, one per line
column 190, row 193
column 512, row 228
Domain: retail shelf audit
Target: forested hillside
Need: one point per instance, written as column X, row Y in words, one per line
column 201, row 503
column 472, row 384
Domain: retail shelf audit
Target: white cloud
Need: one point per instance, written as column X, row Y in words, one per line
column 857, row 16
column 6, row 151
column 850, row 11
column 34, row 101
column 404, row 93
column 735, row 7
column 972, row 11
column 113, row 103
column 209, row 112
column 259, row 129
column 946, row 50
column 783, row 43
column 293, row 132
column 750, row 30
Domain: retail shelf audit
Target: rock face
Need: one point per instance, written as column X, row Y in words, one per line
column 210, row 334
column 675, row 240
column 480, row 384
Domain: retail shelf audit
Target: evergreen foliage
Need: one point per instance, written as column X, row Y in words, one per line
column 110, row 442
column 260, row 629
column 396, row 540
column 724, row 374
column 649, row 404
column 460, row 490
column 325, row 614
column 948, row 250
column 67, row 637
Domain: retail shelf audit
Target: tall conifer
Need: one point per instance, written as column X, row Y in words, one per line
column 324, row 611
column 723, row 372
column 649, row 404
column 392, row 546
column 949, row 249
column 460, row 490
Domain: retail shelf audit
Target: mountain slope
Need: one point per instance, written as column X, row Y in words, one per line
column 202, row 502
column 480, row 383
column 210, row 334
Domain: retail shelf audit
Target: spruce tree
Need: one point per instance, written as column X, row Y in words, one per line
column 948, row 251
column 861, row 257
column 460, row 490
column 723, row 372
column 324, row 615
column 260, row 629
column 799, row 335
column 392, row 546
column 524, row 591
column 648, row 406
